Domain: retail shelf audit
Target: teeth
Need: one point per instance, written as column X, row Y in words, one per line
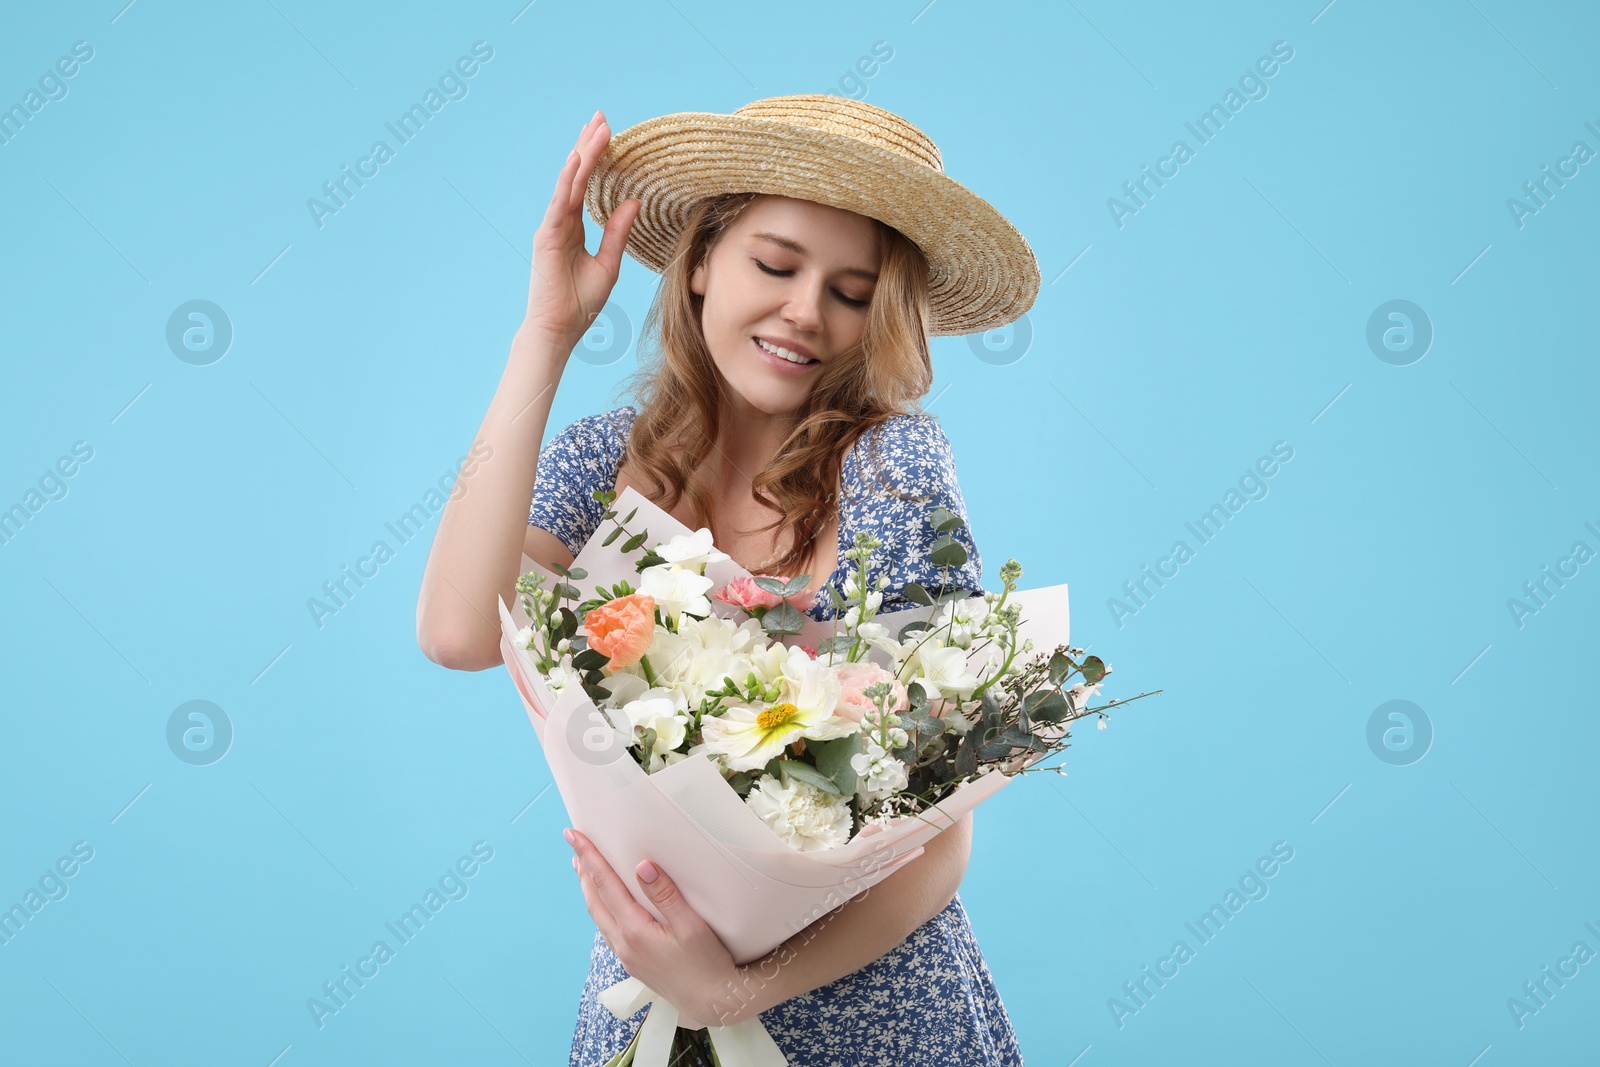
column 783, row 353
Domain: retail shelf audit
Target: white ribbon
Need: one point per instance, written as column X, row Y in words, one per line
column 744, row 1044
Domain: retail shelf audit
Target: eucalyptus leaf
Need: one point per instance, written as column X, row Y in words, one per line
column 629, row 517
column 808, row 774
column 915, row 593
column 783, row 619
column 577, row 574
column 913, row 627
column 1093, row 669
column 1060, row 666
column 946, row 551
column 944, row 519
column 833, row 760
column 612, row 536
column 635, row 541
column 1002, row 744
column 1049, row 707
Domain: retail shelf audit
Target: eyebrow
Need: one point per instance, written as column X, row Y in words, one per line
column 796, row 247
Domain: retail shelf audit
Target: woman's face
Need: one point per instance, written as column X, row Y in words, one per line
column 790, row 274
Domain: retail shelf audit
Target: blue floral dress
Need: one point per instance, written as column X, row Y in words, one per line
column 930, row 1000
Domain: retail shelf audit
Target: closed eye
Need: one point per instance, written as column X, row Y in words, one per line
column 850, row 302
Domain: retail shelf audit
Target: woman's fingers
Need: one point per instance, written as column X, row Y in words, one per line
column 597, row 908
column 665, row 895
column 561, row 196
column 616, row 897
column 615, row 237
column 589, row 152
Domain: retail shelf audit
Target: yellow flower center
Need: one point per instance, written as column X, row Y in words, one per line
column 776, row 716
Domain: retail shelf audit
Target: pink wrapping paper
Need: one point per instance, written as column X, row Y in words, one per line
column 752, row 889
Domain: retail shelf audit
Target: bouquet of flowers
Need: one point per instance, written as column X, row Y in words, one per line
column 707, row 720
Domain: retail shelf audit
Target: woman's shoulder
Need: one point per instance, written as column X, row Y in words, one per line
column 907, row 450
column 603, row 433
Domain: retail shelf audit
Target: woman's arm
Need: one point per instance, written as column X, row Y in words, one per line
column 854, row 935
column 477, row 549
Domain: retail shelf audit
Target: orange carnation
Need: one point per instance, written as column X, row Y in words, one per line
column 622, row 629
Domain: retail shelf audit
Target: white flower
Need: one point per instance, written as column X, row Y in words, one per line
column 940, row 669
column 624, row 686
column 691, row 551
column 524, row 638
column 814, row 688
column 878, row 774
column 1079, row 695
column 959, row 620
column 677, row 589
column 562, row 675
column 661, row 710
column 704, row 654
column 806, row 818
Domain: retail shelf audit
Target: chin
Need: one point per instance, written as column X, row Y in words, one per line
column 769, row 400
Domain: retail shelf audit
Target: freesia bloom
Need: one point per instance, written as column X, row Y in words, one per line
column 677, row 589
column 622, row 629
column 808, row 819
column 663, row 710
column 691, row 551
column 960, row 620
column 854, row 679
column 940, row 669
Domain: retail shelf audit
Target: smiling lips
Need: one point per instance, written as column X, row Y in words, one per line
column 783, row 357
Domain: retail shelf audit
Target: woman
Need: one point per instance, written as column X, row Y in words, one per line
column 809, row 246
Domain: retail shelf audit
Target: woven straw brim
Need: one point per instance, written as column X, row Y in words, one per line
column 982, row 272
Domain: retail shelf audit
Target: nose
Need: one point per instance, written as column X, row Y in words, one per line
column 803, row 310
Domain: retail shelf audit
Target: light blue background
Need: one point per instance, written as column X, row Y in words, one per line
column 1167, row 355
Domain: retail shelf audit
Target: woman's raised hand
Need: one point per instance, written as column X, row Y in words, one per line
column 568, row 287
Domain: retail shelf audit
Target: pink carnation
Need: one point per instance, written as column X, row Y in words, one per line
column 854, row 678
column 745, row 593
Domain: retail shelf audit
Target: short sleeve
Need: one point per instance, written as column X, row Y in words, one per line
column 572, row 465
column 912, row 455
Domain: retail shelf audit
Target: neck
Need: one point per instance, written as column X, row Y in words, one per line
column 746, row 441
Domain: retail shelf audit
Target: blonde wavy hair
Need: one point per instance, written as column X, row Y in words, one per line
column 679, row 393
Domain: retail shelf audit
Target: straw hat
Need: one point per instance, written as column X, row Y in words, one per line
column 835, row 151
